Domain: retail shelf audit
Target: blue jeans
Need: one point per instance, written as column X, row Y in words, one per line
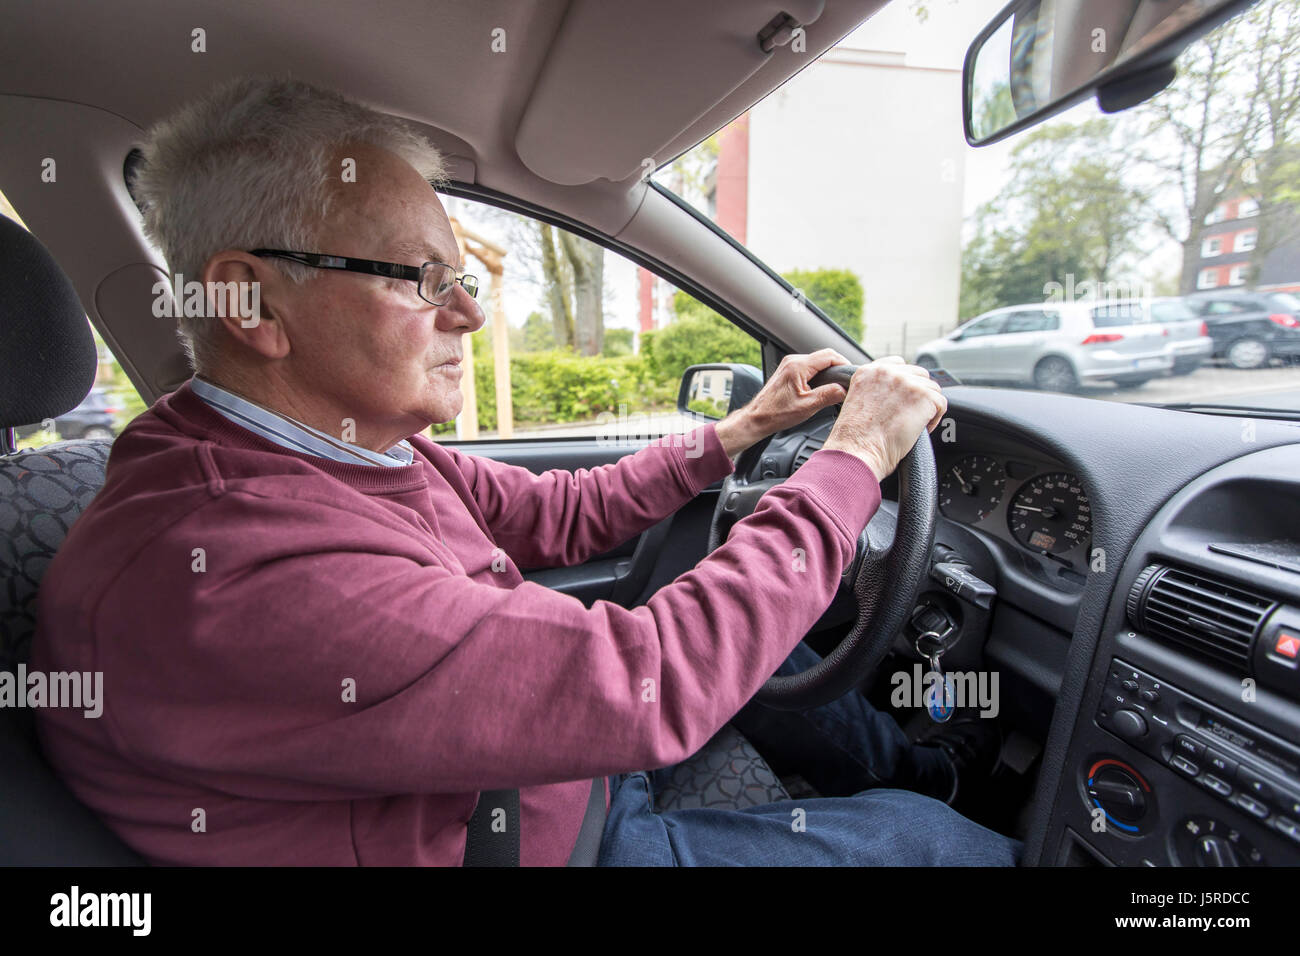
column 847, row 749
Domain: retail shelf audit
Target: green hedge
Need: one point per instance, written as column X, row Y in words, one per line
column 699, row 336
column 837, row 291
column 560, row 386
column 707, row 406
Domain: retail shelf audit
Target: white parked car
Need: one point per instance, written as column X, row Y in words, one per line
column 1058, row 346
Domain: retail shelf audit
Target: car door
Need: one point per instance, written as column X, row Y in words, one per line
column 971, row 356
column 1022, row 341
column 1227, row 320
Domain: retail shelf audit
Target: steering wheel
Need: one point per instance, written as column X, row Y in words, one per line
column 890, row 564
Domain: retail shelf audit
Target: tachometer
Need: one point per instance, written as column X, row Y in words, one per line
column 1051, row 514
column 972, row 488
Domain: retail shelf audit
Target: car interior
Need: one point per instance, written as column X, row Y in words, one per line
column 1130, row 573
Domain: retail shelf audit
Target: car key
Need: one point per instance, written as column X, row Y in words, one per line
column 940, row 701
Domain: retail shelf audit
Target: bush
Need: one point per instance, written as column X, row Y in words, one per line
column 699, row 337
column 707, row 406
column 837, row 292
column 617, row 342
column 560, row 386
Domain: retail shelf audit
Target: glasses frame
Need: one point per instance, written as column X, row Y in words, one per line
column 376, row 267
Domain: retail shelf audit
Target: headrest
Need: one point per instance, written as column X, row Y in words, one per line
column 47, row 352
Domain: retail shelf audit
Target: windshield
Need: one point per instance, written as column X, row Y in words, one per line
column 854, row 182
column 1171, row 310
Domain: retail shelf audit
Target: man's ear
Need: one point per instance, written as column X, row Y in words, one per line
column 249, row 298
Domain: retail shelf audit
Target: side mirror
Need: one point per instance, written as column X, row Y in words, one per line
column 956, row 335
column 714, row 391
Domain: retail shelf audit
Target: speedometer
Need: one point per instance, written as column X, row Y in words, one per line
column 1051, row 514
column 972, row 488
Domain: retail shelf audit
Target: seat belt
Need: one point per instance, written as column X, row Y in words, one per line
column 587, row 847
column 489, row 845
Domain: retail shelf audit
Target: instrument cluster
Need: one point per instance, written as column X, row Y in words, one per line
column 1042, row 510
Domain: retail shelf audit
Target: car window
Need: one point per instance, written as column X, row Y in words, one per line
column 1171, row 311
column 1193, row 188
column 1032, row 321
column 106, row 410
column 1223, row 307
column 1107, row 316
column 1286, row 301
column 991, row 325
column 594, row 344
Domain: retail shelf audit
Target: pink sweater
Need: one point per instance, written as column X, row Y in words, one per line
column 309, row 662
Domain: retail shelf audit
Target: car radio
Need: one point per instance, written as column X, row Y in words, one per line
column 1250, row 770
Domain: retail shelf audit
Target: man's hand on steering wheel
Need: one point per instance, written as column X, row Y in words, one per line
column 785, row 400
column 888, row 404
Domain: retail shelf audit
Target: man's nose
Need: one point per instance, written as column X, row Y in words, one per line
column 462, row 312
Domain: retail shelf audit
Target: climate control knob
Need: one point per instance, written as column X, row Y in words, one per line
column 1204, row 841
column 1215, row 851
column 1120, row 793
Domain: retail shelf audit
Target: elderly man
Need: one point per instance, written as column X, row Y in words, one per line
column 316, row 644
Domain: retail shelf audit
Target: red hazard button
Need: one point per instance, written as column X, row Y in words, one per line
column 1288, row 645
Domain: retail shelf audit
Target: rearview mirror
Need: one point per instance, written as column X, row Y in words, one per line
column 1038, row 57
column 714, row 391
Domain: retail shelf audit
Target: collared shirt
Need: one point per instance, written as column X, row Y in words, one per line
column 290, row 433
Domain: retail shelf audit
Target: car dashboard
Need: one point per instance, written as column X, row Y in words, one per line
column 1157, row 602
column 1137, row 587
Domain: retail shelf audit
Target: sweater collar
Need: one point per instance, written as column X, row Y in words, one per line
column 291, row 433
column 184, row 411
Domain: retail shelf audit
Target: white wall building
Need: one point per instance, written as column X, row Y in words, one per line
column 883, row 198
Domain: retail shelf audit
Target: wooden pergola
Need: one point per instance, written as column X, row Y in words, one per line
column 492, row 256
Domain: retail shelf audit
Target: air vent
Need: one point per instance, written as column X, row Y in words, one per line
column 805, row 452
column 1198, row 611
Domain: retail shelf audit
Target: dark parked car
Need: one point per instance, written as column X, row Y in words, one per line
column 1250, row 328
column 93, row 418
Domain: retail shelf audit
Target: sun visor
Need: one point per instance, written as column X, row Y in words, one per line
column 617, row 89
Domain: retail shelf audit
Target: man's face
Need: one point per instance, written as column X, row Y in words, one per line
column 368, row 346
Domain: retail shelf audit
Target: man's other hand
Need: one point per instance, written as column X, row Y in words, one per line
column 888, row 406
column 784, row 401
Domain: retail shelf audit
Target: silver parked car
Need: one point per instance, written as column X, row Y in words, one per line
column 1057, row 346
column 1190, row 342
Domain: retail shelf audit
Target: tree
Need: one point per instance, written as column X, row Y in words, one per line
column 1232, row 116
column 1273, row 153
column 699, row 336
column 587, row 264
column 837, row 292
column 693, row 174
column 537, row 334
column 573, row 278
column 1067, row 210
column 557, row 294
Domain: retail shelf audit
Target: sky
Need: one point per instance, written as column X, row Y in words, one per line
column 941, row 41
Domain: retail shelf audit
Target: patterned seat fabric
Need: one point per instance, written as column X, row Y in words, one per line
column 42, row 492
column 727, row 773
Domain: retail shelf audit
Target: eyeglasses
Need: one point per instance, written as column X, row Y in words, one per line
column 435, row 281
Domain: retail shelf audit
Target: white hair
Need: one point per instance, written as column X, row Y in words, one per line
column 250, row 165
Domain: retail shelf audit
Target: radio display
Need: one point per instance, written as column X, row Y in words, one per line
column 1237, row 738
